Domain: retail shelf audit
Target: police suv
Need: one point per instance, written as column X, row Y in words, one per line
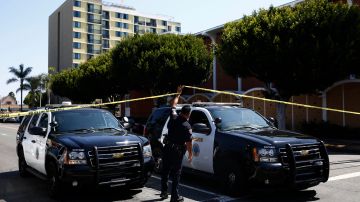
column 241, row 147
column 82, row 147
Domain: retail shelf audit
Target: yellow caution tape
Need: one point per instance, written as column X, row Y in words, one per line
column 12, row 115
column 274, row 101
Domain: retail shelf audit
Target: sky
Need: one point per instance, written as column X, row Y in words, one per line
column 24, row 26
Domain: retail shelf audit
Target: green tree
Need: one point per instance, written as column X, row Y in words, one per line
column 90, row 81
column 20, row 74
column 34, row 85
column 33, row 100
column 160, row 63
column 64, row 84
column 294, row 50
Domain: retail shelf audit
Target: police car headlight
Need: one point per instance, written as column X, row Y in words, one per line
column 76, row 155
column 266, row 154
column 147, row 151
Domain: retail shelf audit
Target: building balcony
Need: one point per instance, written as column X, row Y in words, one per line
column 150, row 24
column 94, row 52
column 96, row 21
column 96, row 11
column 93, row 41
column 94, row 31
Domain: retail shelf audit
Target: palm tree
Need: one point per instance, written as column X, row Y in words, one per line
column 34, row 85
column 20, row 74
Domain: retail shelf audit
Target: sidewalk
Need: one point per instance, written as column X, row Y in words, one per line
column 339, row 145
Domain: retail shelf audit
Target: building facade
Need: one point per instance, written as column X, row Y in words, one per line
column 82, row 29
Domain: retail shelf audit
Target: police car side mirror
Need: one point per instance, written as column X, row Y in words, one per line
column 37, row 131
column 201, row 128
column 273, row 121
column 125, row 119
column 217, row 122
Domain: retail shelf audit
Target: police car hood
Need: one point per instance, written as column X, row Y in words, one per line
column 274, row 137
column 99, row 139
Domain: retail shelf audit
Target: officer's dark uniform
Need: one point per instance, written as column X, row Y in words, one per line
column 179, row 132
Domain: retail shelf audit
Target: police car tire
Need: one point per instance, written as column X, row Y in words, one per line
column 22, row 165
column 55, row 187
column 234, row 183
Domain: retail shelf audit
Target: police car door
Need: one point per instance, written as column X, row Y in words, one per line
column 203, row 141
column 40, row 144
column 28, row 143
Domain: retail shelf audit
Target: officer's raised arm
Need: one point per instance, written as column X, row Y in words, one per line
column 176, row 99
column 174, row 102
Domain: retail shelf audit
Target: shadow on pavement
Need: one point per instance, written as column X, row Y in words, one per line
column 15, row 188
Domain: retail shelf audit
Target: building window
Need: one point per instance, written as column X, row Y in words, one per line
column 118, row 34
column 90, row 48
column 164, row 23
column 152, row 23
column 77, row 35
column 105, row 24
column 105, row 15
column 77, row 24
column 125, row 34
column 118, row 15
column 106, row 44
column 153, row 30
column 90, row 38
column 76, row 45
column 91, row 8
column 77, row 14
column 169, row 28
column 75, row 65
column 118, row 24
column 125, row 16
column 163, row 30
column 77, row 3
column 178, row 29
column 77, row 56
column 105, row 34
column 126, row 26
column 136, row 19
column 136, row 28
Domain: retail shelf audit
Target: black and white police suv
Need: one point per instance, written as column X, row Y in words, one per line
column 242, row 148
column 82, row 147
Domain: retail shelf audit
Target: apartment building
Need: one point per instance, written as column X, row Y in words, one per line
column 82, row 29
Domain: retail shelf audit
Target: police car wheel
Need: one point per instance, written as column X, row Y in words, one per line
column 234, row 182
column 22, row 165
column 54, row 181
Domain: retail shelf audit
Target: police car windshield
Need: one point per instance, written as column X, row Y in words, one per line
column 85, row 120
column 238, row 118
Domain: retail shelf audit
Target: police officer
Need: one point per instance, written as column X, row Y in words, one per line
column 177, row 142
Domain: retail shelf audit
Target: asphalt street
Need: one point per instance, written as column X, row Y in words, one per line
column 343, row 184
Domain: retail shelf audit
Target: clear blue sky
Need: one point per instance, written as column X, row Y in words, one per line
column 24, row 26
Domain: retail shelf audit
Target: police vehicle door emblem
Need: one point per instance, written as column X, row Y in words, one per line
column 196, row 149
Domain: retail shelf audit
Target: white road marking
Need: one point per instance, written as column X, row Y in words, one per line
column 225, row 198
column 3, row 134
column 345, row 176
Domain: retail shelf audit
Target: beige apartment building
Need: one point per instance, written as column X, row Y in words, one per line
column 82, row 29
